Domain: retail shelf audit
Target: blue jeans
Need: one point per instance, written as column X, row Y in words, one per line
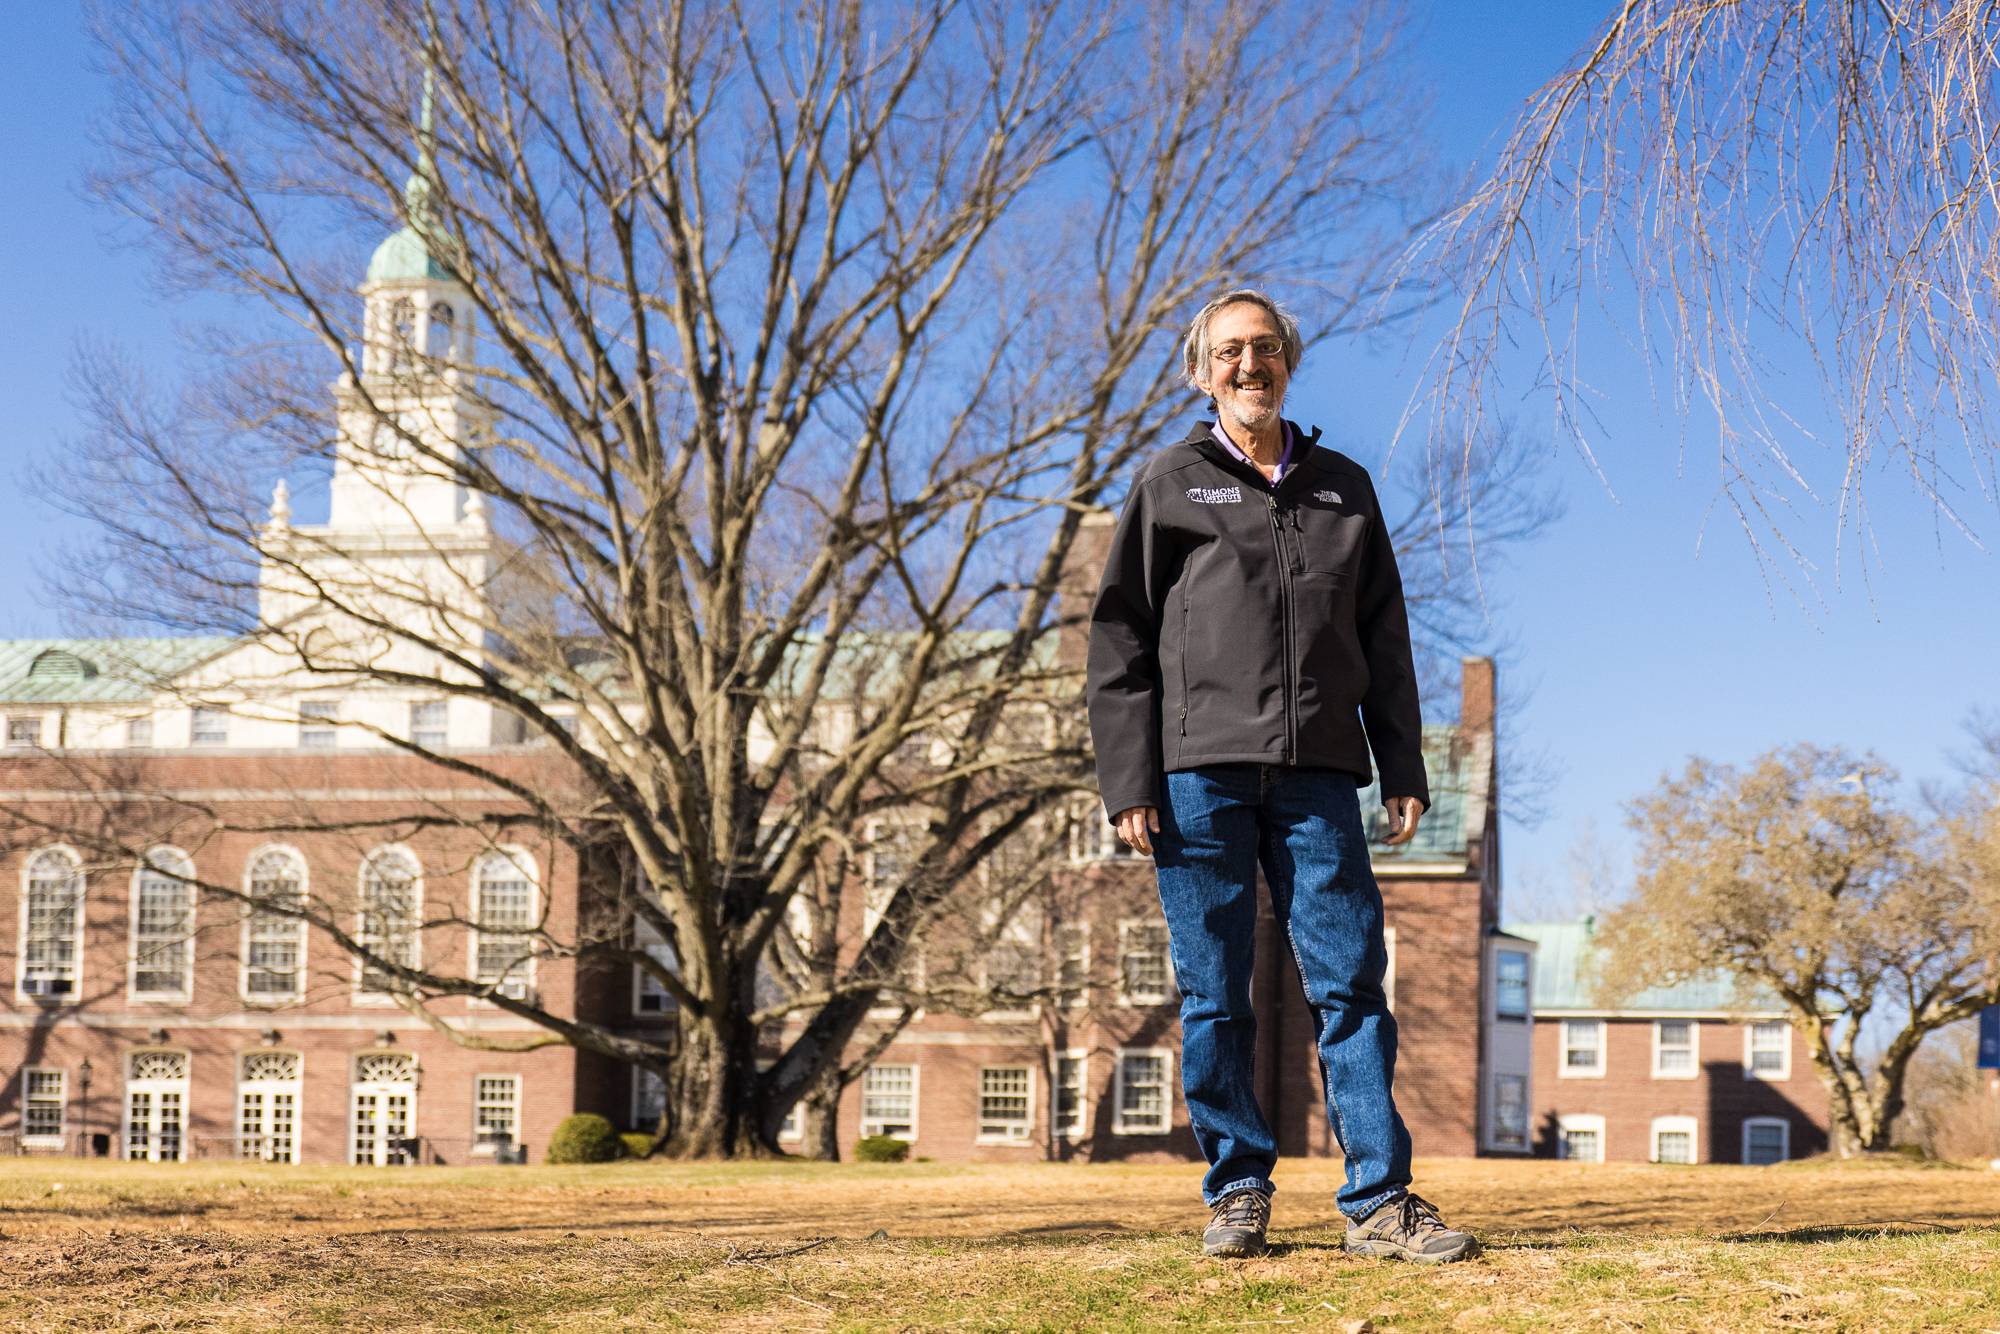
column 1304, row 827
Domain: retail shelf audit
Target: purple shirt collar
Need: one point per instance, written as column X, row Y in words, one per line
column 1284, row 456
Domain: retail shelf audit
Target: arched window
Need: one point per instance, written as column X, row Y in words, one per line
column 156, row 1095
column 163, row 904
column 267, row 1106
column 274, row 940
column 402, row 333
column 504, row 909
column 438, row 333
column 51, row 923
column 385, row 1108
column 391, row 894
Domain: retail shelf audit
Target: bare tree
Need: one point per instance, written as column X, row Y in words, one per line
column 1798, row 877
column 1720, row 181
column 794, row 345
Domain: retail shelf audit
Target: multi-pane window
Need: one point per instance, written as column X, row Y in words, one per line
column 44, row 1097
column 1582, row 1047
column 1674, row 1049
column 1073, row 964
column 316, row 723
column 1673, row 1139
column 1011, row 964
column 1768, row 1053
column 156, row 1093
column 1006, row 1103
column 24, row 733
column 209, row 727
column 385, row 1108
column 1510, row 999
column 139, row 733
column 892, row 857
column 889, row 1101
column 273, row 938
column 649, row 1100
column 1145, row 1106
column 52, row 924
column 1582, row 1138
column 427, row 723
column 163, row 925
column 1510, row 1112
column 390, row 894
column 505, row 911
column 267, row 1107
column 1144, row 974
column 1766, row 1140
column 1067, row 1114
column 648, row 996
column 1095, row 839
column 496, row 1110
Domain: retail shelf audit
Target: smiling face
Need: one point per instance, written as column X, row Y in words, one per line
column 1248, row 393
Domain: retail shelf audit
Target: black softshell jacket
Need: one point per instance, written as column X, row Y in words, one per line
column 1238, row 623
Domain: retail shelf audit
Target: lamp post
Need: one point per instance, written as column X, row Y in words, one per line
column 83, row 1112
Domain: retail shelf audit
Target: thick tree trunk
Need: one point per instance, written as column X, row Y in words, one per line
column 711, row 1104
column 820, row 1112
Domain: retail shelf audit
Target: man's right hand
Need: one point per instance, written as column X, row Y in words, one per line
column 1136, row 827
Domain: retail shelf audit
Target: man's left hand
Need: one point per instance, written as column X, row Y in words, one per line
column 1404, row 812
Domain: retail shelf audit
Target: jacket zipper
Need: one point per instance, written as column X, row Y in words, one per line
column 1184, row 653
column 1285, row 619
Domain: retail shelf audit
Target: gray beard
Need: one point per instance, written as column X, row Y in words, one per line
column 1250, row 420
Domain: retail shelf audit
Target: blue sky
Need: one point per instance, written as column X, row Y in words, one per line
column 1642, row 629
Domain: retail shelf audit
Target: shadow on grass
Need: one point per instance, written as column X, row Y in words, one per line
column 1812, row 1236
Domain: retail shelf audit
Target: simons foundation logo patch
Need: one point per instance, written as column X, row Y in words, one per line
column 1216, row 495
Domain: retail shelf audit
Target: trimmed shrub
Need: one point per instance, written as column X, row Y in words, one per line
column 880, row 1149
column 636, row 1145
column 584, row 1138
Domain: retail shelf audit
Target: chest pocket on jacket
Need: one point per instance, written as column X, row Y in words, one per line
column 1326, row 532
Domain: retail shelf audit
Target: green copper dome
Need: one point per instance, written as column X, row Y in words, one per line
column 404, row 256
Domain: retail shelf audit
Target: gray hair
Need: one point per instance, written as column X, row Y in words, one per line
column 1195, row 348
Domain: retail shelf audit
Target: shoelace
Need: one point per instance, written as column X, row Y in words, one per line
column 1244, row 1208
column 1419, row 1214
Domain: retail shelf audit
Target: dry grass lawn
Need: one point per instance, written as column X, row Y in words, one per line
column 805, row 1246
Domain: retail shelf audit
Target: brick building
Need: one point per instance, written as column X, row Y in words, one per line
column 1682, row 1074
column 142, row 1020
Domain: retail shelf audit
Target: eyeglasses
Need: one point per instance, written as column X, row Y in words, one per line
column 1267, row 349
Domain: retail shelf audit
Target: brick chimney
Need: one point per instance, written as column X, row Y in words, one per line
column 1475, row 708
column 1078, row 588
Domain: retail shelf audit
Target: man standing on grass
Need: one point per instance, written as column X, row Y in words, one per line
column 1248, row 648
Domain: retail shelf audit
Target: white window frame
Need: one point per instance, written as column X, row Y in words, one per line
column 271, row 1089
column 1674, row 1125
column 643, row 985
column 1582, row 1122
column 380, row 1089
column 210, row 712
column 1754, row 1122
column 912, row 973
column 1693, row 1070
column 916, row 1101
column 1527, row 1114
column 1061, row 1130
column 1563, row 1049
column 1080, row 998
column 1022, row 932
column 1094, row 841
column 319, row 724
column 519, row 985
column 61, row 1138
column 139, row 733
column 157, row 1089
column 362, row 994
column 440, row 737
column 298, row 990
column 160, row 856
column 1018, row 1133
column 481, row 1146
column 30, row 725
column 1126, row 995
column 1119, row 1125
column 76, row 956
column 1527, row 1013
column 1750, row 1071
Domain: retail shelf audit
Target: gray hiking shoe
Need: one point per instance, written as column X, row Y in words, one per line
column 1236, row 1227
column 1408, row 1228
